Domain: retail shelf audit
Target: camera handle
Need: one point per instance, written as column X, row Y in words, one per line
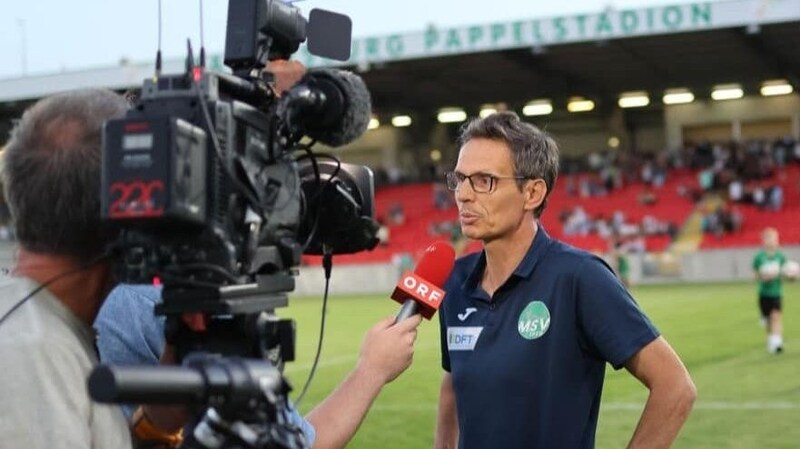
column 214, row 431
column 251, row 413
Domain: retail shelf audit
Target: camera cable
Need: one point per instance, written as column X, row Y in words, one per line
column 327, row 264
column 247, row 193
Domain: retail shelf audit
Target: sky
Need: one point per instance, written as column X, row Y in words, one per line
column 51, row 36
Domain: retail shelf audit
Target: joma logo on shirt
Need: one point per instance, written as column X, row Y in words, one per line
column 534, row 320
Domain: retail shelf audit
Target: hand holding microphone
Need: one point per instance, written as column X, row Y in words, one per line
column 389, row 346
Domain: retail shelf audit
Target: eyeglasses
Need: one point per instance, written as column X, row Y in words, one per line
column 480, row 182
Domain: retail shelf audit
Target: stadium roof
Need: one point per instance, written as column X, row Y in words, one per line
column 696, row 45
column 598, row 70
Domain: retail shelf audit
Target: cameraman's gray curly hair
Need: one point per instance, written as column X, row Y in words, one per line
column 51, row 173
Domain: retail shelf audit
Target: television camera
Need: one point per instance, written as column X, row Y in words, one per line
column 216, row 192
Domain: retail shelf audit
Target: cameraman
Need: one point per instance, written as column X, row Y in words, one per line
column 51, row 176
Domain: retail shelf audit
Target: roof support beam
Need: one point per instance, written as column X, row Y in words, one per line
column 754, row 42
column 565, row 81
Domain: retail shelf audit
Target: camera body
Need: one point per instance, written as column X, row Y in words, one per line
column 202, row 179
column 203, row 190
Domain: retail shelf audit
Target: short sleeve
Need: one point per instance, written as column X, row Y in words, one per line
column 297, row 420
column 613, row 325
column 128, row 331
column 443, row 341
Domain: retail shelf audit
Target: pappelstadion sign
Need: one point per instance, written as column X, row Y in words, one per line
column 608, row 24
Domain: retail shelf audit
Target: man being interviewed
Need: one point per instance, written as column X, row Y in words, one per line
column 530, row 322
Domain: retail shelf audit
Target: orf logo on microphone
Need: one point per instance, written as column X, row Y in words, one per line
column 428, row 296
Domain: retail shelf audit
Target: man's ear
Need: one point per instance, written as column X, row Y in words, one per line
column 535, row 191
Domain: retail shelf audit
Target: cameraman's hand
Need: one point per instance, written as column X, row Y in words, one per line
column 388, row 349
column 286, row 73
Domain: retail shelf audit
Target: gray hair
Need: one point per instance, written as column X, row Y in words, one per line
column 51, row 173
column 534, row 152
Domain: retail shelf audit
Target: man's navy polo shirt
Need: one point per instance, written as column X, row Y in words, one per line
column 528, row 364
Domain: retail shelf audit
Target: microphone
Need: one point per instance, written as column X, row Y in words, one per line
column 421, row 291
column 331, row 106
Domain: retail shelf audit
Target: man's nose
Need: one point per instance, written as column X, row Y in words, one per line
column 464, row 192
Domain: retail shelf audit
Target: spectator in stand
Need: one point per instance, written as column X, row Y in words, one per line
column 647, row 198
column 691, row 193
column 706, row 179
column 603, row 227
column 395, row 174
column 710, row 223
column 397, row 215
column 722, row 220
column 646, row 172
column 572, row 188
column 759, row 196
column 736, row 218
column 775, row 198
column 577, row 222
column 660, row 170
column 796, row 151
column 584, row 189
column 781, row 151
column 441, row 197
column 736, row 190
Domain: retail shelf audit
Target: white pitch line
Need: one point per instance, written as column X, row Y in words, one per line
column 634, row 406
column 342, row 359
column 714, row 405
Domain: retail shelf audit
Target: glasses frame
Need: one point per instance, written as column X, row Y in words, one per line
column 458, row 179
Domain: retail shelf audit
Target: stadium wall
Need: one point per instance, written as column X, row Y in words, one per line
column 724, row 265
column 706, row 266
column 741, row 111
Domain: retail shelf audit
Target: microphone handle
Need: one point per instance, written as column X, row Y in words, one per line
column 409, row 308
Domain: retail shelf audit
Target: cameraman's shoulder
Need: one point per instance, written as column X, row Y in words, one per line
column 148, row 293
column 129, row 299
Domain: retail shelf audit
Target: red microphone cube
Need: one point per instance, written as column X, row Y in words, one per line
column 428, row 296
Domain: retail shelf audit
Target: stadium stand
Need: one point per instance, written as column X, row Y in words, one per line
column 421, row 218
column 421, row 222
column 755, row 219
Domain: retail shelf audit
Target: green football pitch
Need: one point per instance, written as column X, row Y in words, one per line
column 747, row 398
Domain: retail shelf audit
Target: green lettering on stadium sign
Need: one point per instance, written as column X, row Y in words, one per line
column 608, row 24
